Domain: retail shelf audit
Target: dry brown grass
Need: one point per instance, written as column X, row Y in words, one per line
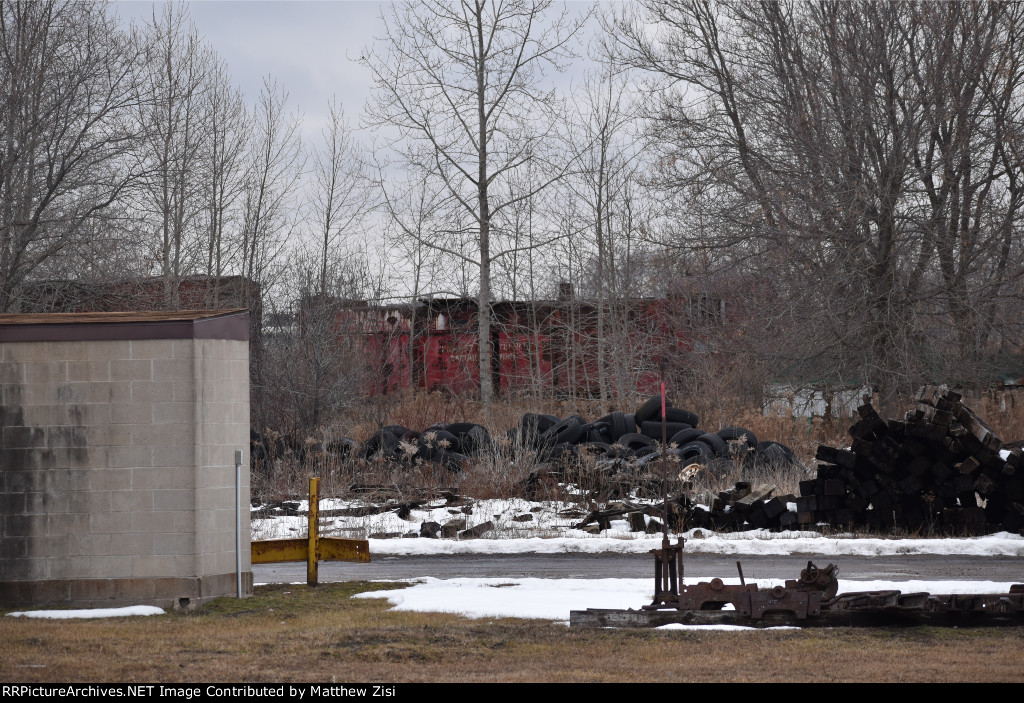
column 292, row 633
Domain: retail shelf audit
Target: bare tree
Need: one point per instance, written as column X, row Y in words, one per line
column 340, row 196
column 66, row 90
column 968, row 69
column 223, row 172
column 273, row 175
column 853, row 152
column 603, row 141
column 415, row 215
column 462, row 85
column 317, row 360
column 531, row 226
column 172, row 118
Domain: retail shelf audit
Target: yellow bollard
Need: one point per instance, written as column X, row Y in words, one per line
column 313, row 552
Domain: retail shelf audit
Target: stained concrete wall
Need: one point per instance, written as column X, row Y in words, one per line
column 118, row 476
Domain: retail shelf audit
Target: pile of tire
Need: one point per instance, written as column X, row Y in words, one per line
column 268, row 448
column 635, row 439
column 447, row 444
column 617, row 440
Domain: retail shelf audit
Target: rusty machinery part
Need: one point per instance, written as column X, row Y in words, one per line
column 746, row 600
column 782, row 600
column 710, row 595
column 668, row 574
column 864, row 599
column 801, row 597
column 896, row 601
column 811, row 599
column 812, row 579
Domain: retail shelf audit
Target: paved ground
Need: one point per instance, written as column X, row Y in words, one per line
column 902, row 568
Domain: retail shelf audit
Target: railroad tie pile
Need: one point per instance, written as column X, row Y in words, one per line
column 941, row 468
column 746, row 506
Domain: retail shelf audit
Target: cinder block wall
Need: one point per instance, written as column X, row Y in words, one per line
column 118, row 472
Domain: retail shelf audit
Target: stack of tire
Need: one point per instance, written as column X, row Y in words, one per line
column 635, row 439
column 616, row 440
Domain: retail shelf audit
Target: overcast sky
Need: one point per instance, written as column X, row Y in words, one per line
column 310, row 46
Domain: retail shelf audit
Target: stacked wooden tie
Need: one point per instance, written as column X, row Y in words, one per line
column 940, row 469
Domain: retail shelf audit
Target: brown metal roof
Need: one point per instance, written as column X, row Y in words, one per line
column 97, row 326
column 84, row 318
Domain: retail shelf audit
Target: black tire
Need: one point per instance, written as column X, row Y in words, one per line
column 624, row 453
column 787, row 452
column 634, row 441
column 685, row 436
column 547, row 422
column 651, row 459
column 529, row 428
column 460, row 428
column 439, row 440
column 341, row 447
column 696, row 452
column 530, row 420
column 475, row 441
column 598, row 432
column 453, row 461
column 533, row 425
column 649, row 409
column 730, row 434
column 618, row 425
column 673, row 458
column 717, row 444
column 775, row 454
column 528, row 432
column 644, row 452
column 680, row 415
column 382, row 440
column 568, row 431
column 399, row 431
column 652, row 428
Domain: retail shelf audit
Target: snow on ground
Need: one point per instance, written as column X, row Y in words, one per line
column 551, row 533
column 743, row 544
column 91, row 613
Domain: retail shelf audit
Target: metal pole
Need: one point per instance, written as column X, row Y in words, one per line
column 664, row 462
column 238, row 521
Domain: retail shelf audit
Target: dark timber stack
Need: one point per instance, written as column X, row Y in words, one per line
column 939, row 469
column 744, row 507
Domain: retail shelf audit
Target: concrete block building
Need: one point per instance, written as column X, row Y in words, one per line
column 118, row 434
